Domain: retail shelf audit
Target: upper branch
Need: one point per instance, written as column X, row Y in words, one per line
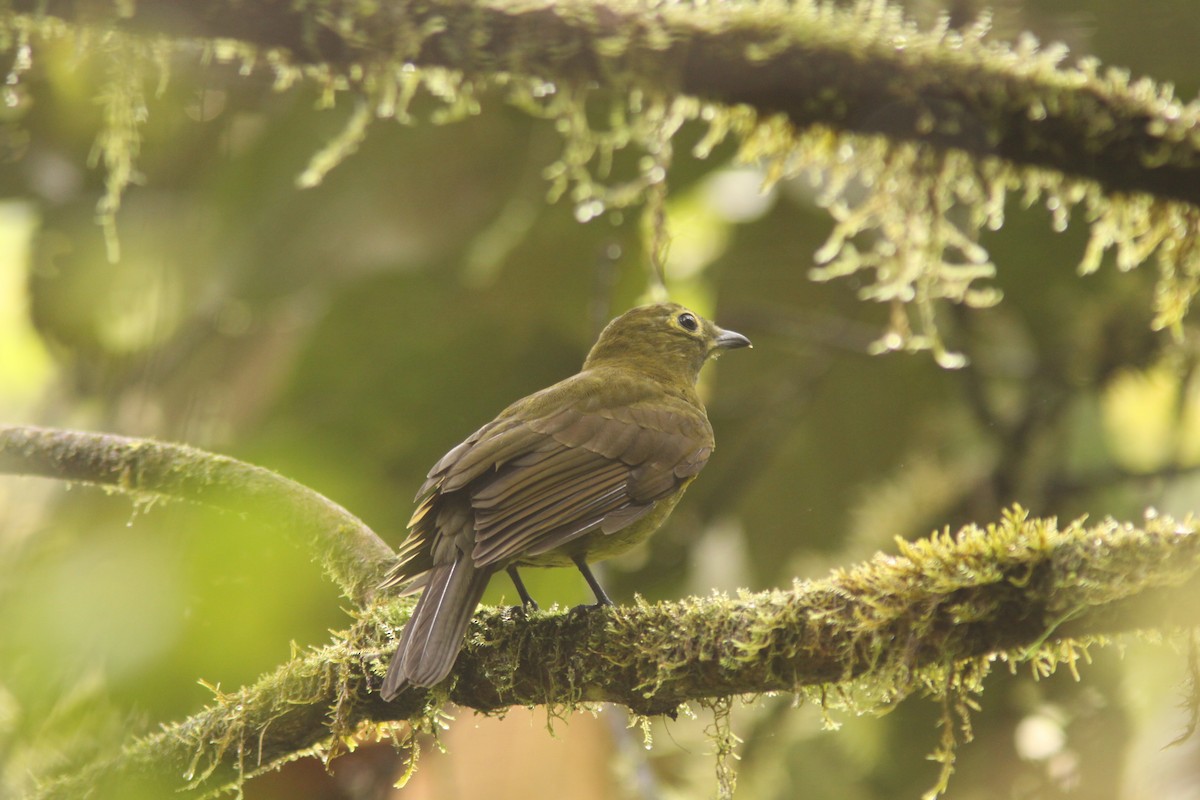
column 351, row 553
column 863, row 70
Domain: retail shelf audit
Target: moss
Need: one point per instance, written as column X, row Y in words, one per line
column 930, row 621
column 971, row 120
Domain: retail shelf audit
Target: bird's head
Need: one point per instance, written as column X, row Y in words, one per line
column 663, row 339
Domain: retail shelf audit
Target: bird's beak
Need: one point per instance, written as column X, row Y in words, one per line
column 731, row 340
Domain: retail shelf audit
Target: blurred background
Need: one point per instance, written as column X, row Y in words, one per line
column 348, row 334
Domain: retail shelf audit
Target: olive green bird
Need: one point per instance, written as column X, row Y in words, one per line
column 577, row 472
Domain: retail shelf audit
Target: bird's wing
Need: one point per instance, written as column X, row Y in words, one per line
column 594, row 452
column 583, row 470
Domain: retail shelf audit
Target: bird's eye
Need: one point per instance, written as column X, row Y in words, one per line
column 687, row 321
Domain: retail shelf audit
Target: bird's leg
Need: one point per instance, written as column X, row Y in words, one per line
column 602, row 598
column 526, row 600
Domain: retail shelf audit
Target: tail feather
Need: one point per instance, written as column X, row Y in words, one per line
column 434, row 635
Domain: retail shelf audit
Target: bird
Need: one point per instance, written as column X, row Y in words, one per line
column 575, row 473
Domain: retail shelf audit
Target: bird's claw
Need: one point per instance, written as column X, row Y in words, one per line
column 525, row 609
column 587, row 608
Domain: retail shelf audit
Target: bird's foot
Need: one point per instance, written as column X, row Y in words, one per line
column 587, row 608
column 525, row 609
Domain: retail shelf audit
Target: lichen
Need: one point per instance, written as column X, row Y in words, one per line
column 339, row 148
column 907, row 215
column 725, row 743
column 15, row 39
column 122, row 98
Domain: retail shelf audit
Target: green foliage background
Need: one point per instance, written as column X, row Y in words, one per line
column 348, row 334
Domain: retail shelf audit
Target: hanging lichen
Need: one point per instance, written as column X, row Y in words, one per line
column 906, row 215
column 908, row 202
column 128, row 63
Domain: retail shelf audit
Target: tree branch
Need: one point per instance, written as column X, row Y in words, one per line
column 353, row 555
column 1023, row 589
column 862, row 70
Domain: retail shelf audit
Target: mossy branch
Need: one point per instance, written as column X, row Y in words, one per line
column 1022, row 590
column 895, row 125
column 353, row 556
column 862, row 69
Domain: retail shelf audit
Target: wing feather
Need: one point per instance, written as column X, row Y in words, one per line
column 491, row 450
column 580, row 510
column 533, row 475
column 564, row 464
column 539, row 508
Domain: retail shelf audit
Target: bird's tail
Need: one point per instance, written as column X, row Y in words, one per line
column 434, row 635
